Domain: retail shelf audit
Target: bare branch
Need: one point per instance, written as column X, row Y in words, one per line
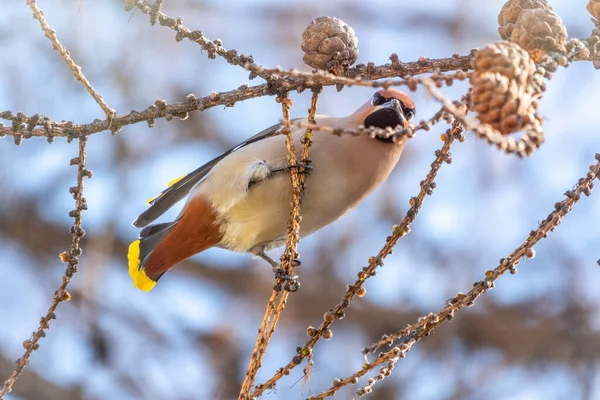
column 584, row 186
column 72, row 260
column 289, row 259
column 214, row 48
column 77, row 72
column 24, row 127
column 398, row 231
column 32, row 384
column 324, row 77
column 525, row 146
column 426, row 324
column 156, row 7
column 398, row 133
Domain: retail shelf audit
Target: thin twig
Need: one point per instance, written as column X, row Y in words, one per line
column 398, row 134
column 525, row 146
column 72, row 260
column 155, row 10
column 399, row 69
column 297, row 175
column 338, row 312
column 76, row 69
column 52, row 128
column 24, row 127
column 213, row 48
column 290, row 256
column 324, row 77
column 426, row 324
column 253, row 365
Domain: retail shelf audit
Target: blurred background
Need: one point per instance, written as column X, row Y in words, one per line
column 535, row 336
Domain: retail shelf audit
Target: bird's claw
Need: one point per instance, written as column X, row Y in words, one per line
column 281, row 274
column 292, row 286
column 290, row 282
column 302, row 166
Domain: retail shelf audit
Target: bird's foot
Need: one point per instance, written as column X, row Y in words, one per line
column 290, row 282
column 302, row 166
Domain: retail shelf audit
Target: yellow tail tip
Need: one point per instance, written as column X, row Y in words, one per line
column 138, row 275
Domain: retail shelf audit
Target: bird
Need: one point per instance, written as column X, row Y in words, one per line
column 240, row 200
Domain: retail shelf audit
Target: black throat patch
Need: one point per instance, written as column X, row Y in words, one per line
column 384, row 118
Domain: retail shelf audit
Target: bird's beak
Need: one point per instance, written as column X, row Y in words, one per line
column 395, row 105
column 386, row 116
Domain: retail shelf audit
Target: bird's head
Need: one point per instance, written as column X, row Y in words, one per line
column 388, row 108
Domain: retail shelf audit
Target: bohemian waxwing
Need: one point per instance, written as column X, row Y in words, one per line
column 240, row 201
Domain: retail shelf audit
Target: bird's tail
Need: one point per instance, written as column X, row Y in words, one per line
column 161, row 246
column 140, row 251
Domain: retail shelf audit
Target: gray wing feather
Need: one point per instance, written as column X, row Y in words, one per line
column 179, row 190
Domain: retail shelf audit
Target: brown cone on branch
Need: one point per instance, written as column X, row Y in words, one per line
column 506, row 86
column 510, row 13
column 539, row 31
column 502, row 103
column 593, row 8
column 577, row 50
column 593, row 45
column 330, row 44
column 505, row 58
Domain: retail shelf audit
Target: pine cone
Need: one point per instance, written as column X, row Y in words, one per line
column 577, row 50
column 329, row 44
column 510, row 13
column 593, row 44
column 539, row 31
column 502, row 103
column 506, row 86
column 506, row 58
column 593, row 8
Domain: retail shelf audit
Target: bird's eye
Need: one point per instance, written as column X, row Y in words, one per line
column 378, row 99
column 409, row 114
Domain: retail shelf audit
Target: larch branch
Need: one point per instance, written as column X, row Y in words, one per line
column 76, row 69
column 71, row 258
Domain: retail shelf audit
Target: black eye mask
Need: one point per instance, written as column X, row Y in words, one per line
column 388, row 117
column 379, row 100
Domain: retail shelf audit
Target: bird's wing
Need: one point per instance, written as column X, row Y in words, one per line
column 181, row 187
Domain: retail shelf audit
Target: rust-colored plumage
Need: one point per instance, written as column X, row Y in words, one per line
column 196, row 231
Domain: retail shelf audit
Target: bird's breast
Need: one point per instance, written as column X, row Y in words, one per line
column 346, row 169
